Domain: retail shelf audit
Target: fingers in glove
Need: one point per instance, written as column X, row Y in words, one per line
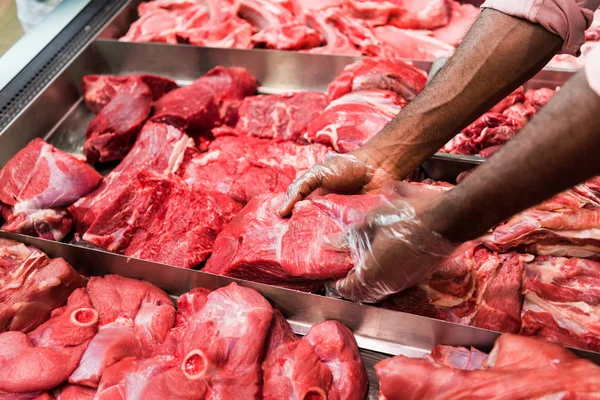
column 308, row 183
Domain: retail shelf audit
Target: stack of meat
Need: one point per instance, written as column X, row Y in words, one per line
column 489, row 132
column 412, row 29
column 122, row 338
column 517, row 368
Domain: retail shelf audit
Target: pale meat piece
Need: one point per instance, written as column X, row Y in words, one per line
column 292, row 36
column 423, row 14
column 336, row 42
column 349, row 121
column 232, row 33
column 45, row 357
column 513, row 370
column 31, row 286
column 411, row 44
column 461, row 19
column 74, row 392
column 397, row 76
column 264, row 14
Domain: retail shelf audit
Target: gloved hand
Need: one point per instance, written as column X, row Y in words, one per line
column 392, row 250
column 348, row 173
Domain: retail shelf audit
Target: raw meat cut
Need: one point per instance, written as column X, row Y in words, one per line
column 159, row 149
column 461, row 19
column 263, row 14
column 260, row 246
column 561, row 301
column 292, row 36
column 44, row 358
column 513, row 370
column 423, row 14
column 112, row 133
column 231, row 33
column 209, row 101
column 42, row 177
column 405, row 80
column 98, row 90
column 36, row 184
column 477, row 288
column 348, row 122
column 245, row 167
column 411, row 44
column 31, row 286
column 457, row 357
column 335, row 41
column 51, row 224
column 134, row 317
column 218, row 355
column 162, row 219
column 282, row 116
column 376, row 13
column 75, row 392
column 500, row 124
column 163, row 25
column 325, row 364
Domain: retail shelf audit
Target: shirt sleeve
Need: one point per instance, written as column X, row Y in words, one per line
column 566, row 18
column 592, row 68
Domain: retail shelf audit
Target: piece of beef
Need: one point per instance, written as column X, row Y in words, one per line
column 112, row 133
column 159, row 149
column 336, row 42
column 134, row 318
column 51, row 223
column 74, row 392
column 162, row 219
column 44, row 358
column 516, row 362
column 31, row 286
column 348, row 122
column 292, row 36
column 232, row 33
column 294, row 255
column 461, row 19
column 405, row 80
column 280, row 117
column 420, row 14
column 245, row 167
column 411, row 44
column 98, row 90
column 263, row 14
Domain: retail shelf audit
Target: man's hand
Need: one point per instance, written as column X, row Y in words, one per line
column 392, row 250
column 348, row 173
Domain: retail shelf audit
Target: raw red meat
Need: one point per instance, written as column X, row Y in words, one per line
column 75, row 392
column 163, row 25
column 31, row 286
column 518, row 96
column 51, row 223
column 423, row 14
column 44, row 358
column 325, row 364
column 159, row 148
column 405, row 80
column 477, row 288
column 335, row 41
column 263, row 14
column 462, row 17
column 245, row 167
column 348, row 122
column 98, row 90
column 34, row 186
column 514, row 370
column 112, row 133
column 411, row 44
column 281, row 117
column 134, row 317
column 376, row 13
column 231, row 33
column 457, row 357
column 562, row 299
column 41, row 177
column 292, row 36
column 162, row 219
column 294, row 256
column 209, row 101
column 218, row 356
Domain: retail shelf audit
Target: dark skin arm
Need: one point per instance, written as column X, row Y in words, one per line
column 559, row 148
column 498, row 54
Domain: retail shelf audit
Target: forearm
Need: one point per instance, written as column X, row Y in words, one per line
column 498, row 54
column 559, row 148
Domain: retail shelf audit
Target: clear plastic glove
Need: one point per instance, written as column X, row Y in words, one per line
column 392, row 250
column 337, row 173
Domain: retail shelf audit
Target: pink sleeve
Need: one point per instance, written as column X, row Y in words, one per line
column 592, row 69
column 566, row 18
